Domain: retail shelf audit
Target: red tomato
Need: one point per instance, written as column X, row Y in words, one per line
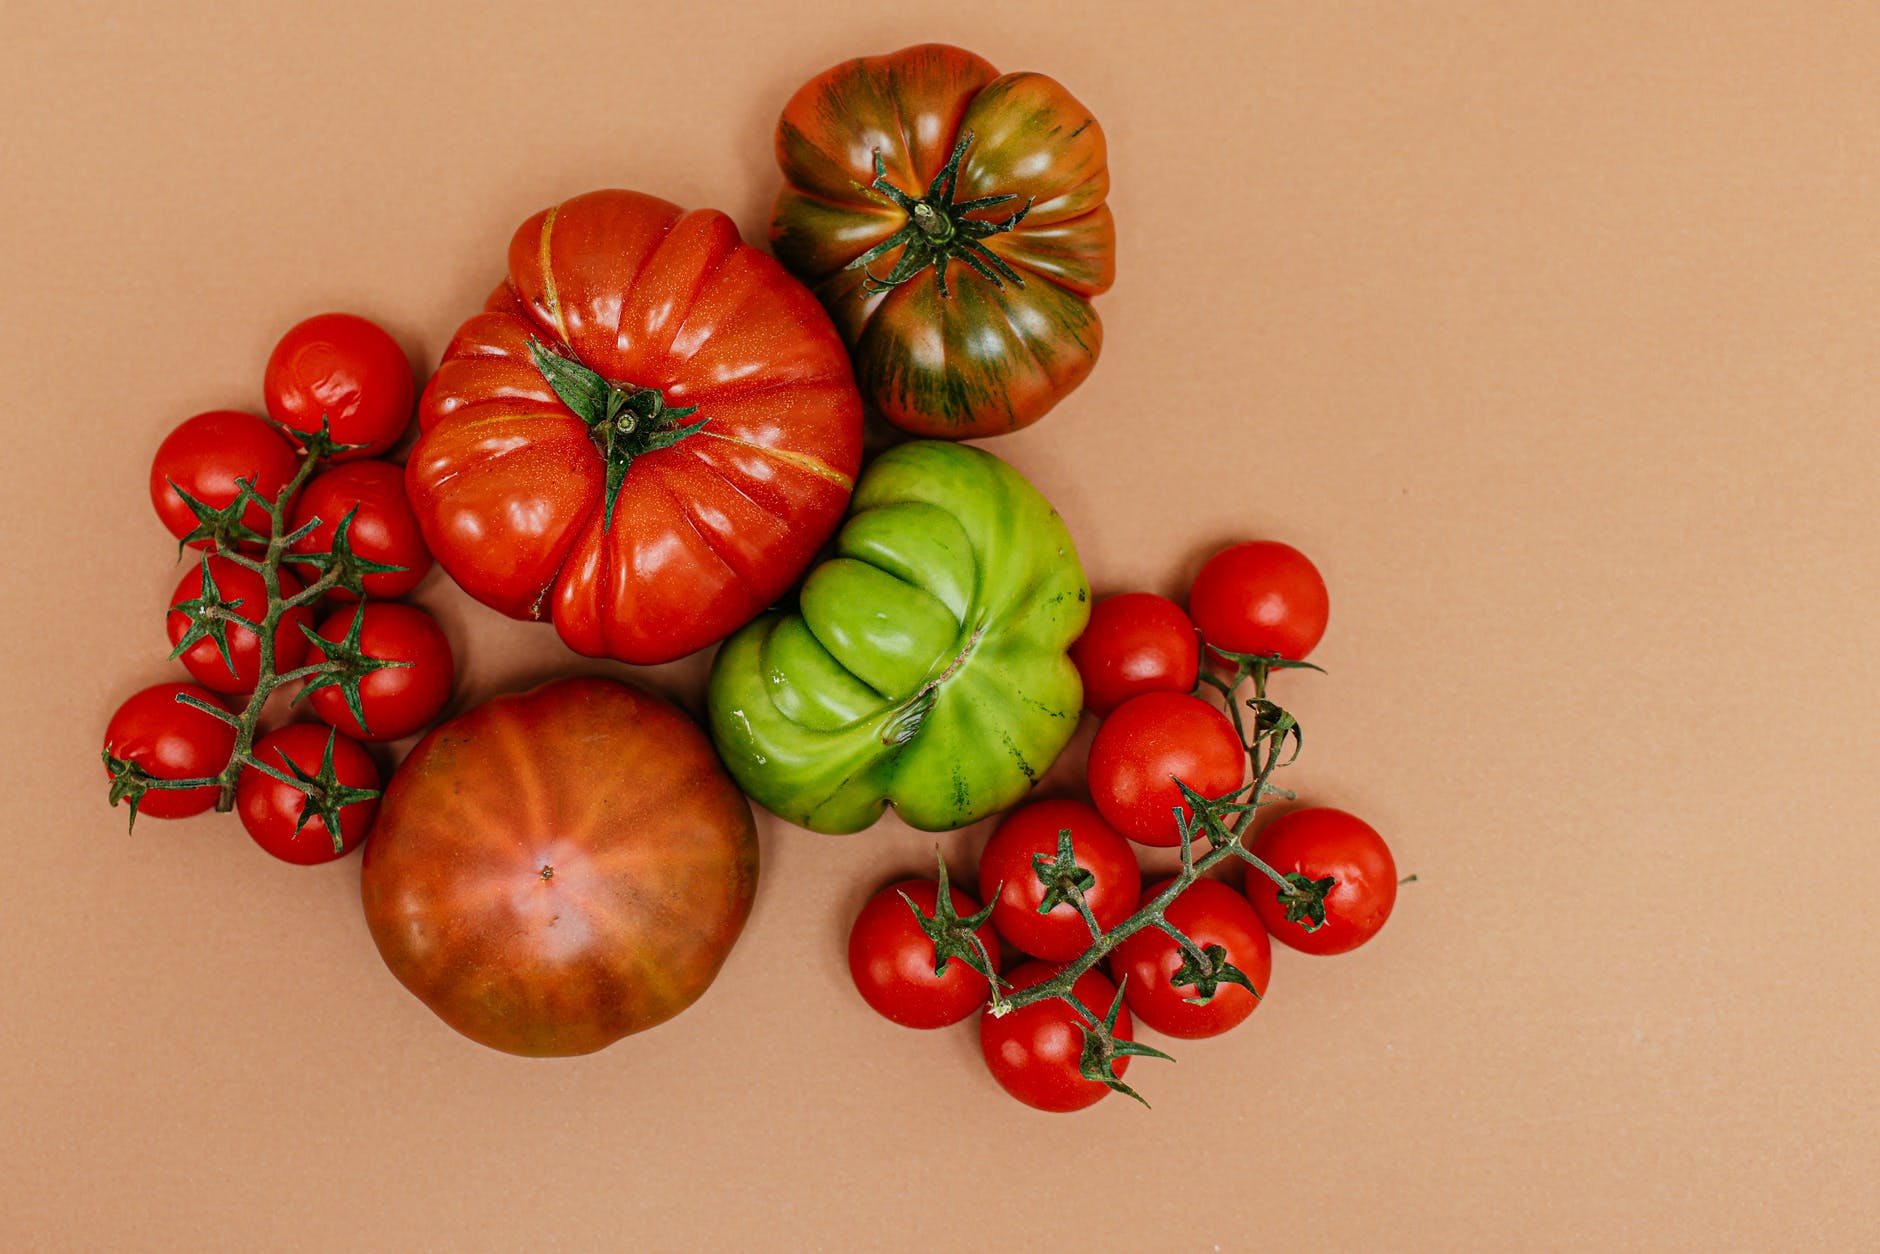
column 348, row 369
column 1146, row 962
column 1036, row 1051
column 238, row 583
column 205, row 455
column 271, row 810
column 1260, row 597
column 397, row 700
column 1148, row 743
column 1007, row 873
column 891, row 959
column 1136, row 642
column 556, row 869
column 170, row 740
column 1322, row 843
column 383, row 527
column 653, row 319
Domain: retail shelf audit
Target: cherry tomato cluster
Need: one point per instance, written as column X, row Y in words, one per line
column 283, row 515
column 1060, row 881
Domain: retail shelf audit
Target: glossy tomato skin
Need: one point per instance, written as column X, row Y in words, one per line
column 1148, row 743
column 170, row 740
column 397, row 700
column 508, row 484
column 555, row 869
column 1007, row 873
column 1260, row 597
column 1136, row 642
column 1317, row 843
column 383, row 527
column 985, row 358
column 1208, row 912
column 346, row 368
column 270, row 809
column 891, row 959
column 1035, row 1052
column 235, row 582
column 206, row 456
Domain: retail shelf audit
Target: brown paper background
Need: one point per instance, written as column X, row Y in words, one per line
column 1548, row 329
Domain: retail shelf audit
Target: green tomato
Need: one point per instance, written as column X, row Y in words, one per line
column 924, row 666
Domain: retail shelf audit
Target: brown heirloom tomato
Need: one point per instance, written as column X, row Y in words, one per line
column 646, row 435
column 952, row 219
column 559, row 868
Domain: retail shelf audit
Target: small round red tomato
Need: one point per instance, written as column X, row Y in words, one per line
column 1036, row 1052
column 1008, row 877
column 1145, row 746
column 346, row 368
column 1148, row 962
column 170, row 740
column 383, row 527
column 237, row 583
column 396, row 700
column 206, row 455
column 891, row 959
column 1319, row 844
column 271, row 810
column 1136, row 642
column 1260, row 597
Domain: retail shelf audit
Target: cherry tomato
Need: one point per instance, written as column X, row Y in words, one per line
column 1007, row 873
column 1321, row 843
column 238, row 583
column 271, row 810
column 1148, row 743
column 348, row 369
column 1260, row 597
column 891, row 959
column 383, row 527
column 396, row 700
column 170, row 740
column 1136, row 642
column 1146, row 962
column 1036, row 1051
column 205, row 455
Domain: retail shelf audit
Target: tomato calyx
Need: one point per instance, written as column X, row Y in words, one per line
column 1304, row 899
column 624, row 421
column 347, row 568
column 325, row 795
column 209, row 615
column 1064, row 881
column 346, row 664
column 956, row 937
column 1102, row 1048
column 221, row 529
column 939, row 230
column 1205, row 969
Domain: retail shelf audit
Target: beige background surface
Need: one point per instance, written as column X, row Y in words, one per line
column 1548, row 329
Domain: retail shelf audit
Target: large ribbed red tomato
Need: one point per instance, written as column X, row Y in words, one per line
column 562, row 470
column 559, row 868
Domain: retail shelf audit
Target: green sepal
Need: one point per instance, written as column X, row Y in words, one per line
column 208, row 616
column 325, row 795
column 1064, row 881
column 939, row 230
column 953, row 936
column 1207, row 982
column 352, row 569
column 219, row 528
column 1304, row 899
column 1102, row 1049
column 347, row 665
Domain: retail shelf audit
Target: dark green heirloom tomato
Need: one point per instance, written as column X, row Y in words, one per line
column 952, row 220
column 925, row 666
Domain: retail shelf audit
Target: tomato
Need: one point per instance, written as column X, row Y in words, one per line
column 558, row 868
column 1036, row 1051
column 348, row 369
column 206, row 455
column 1148, row 743
column 1147, row 962
column 1260, row 597
column 233, row 584
column 279, row 816
column 383, row 527
column 396, row 700
column 169, row 740
column 1008, row 876
column 952, row 220
column 642, row 534
column 1320, row 844
column 1136, row 642
column 892, row 960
